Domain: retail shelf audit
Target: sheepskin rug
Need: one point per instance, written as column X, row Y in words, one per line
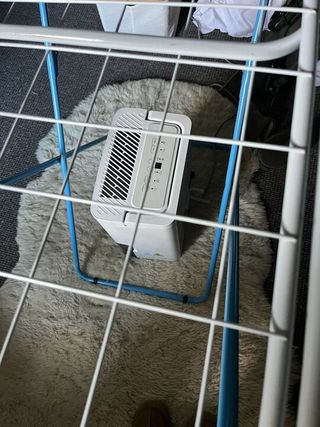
column 47, row 370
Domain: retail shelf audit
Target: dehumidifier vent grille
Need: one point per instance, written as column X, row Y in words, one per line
column 120, row 166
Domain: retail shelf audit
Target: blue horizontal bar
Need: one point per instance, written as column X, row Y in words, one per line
column 45, row 165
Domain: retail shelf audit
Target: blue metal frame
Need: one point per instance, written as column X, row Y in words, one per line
column 45, row 165
column 229, row 382
column 62, row 159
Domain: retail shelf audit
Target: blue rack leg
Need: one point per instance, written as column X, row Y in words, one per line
column 229, row 383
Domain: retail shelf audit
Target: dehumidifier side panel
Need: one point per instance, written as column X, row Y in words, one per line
column 160, row 243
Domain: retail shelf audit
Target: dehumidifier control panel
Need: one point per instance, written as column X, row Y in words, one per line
column 156, row 168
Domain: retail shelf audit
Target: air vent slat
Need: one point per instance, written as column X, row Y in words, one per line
column 117, row 193
column 123, row 172
column 121, row 158
column 131, row 146
column 133, row 138
column 117, row 184
column 119, row 162
column 118, row 181
column 120, row 167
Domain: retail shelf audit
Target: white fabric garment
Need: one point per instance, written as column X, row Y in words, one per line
column 235, row 22
column 140, row 19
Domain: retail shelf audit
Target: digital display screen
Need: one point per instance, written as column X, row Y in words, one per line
column 157, row 165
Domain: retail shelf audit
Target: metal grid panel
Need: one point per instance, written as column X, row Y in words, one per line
column 179, row 53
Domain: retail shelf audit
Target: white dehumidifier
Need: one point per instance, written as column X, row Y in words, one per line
column 130, row 161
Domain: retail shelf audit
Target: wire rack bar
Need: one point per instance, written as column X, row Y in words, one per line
column 186, row 219
column 199, row 138
column 148, row 307
column 7, row 15
column 149, row 57
column 237, row 51
column 309, row 409
column 275, row 387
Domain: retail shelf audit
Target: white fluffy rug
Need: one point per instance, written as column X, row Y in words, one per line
column 45, row 378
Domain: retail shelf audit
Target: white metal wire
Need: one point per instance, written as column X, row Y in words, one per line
column 5, row 19
column 182, row 218
column 309, row 410
column 101, row 44
column 206, row 49
column 148, row 307
column 201, row 138
column 275, row 387
column 161, row 59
